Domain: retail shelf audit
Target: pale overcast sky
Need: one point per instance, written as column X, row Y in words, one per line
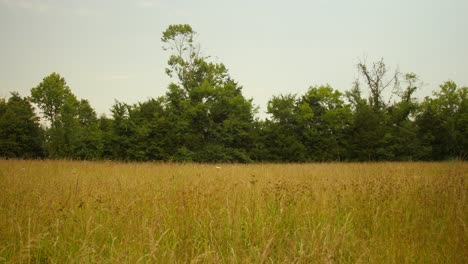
column 111, row 49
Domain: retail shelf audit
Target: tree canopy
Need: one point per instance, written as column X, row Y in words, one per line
column 204, row 117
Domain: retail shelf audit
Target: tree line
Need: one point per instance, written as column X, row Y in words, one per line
column 204, row 117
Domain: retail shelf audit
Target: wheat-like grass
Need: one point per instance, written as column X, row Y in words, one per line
column 108, row 212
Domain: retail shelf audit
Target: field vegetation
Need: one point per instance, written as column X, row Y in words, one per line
column 109, row 212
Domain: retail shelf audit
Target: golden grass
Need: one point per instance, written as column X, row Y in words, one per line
column 79, row 212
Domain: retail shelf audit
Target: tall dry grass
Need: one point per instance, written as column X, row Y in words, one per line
column 106, row 212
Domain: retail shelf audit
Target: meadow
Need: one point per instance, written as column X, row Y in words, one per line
column 109, row 212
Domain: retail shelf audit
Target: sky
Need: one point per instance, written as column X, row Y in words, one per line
column 111, row 50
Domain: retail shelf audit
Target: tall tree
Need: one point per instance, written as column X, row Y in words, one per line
column 402, row 142
column 122, row 132
column 370, row 135
column 377, row 80
column 90, row 143
column 326, row 134
column 211, row 118
column 281, row 133
column 442, row 122
column 20, row 133
column 50, row 96
column 72, row 131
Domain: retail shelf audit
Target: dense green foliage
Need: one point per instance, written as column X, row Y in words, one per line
column 204, row 117
column 20, row 134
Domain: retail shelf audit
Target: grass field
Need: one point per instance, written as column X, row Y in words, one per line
column 106, row 212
